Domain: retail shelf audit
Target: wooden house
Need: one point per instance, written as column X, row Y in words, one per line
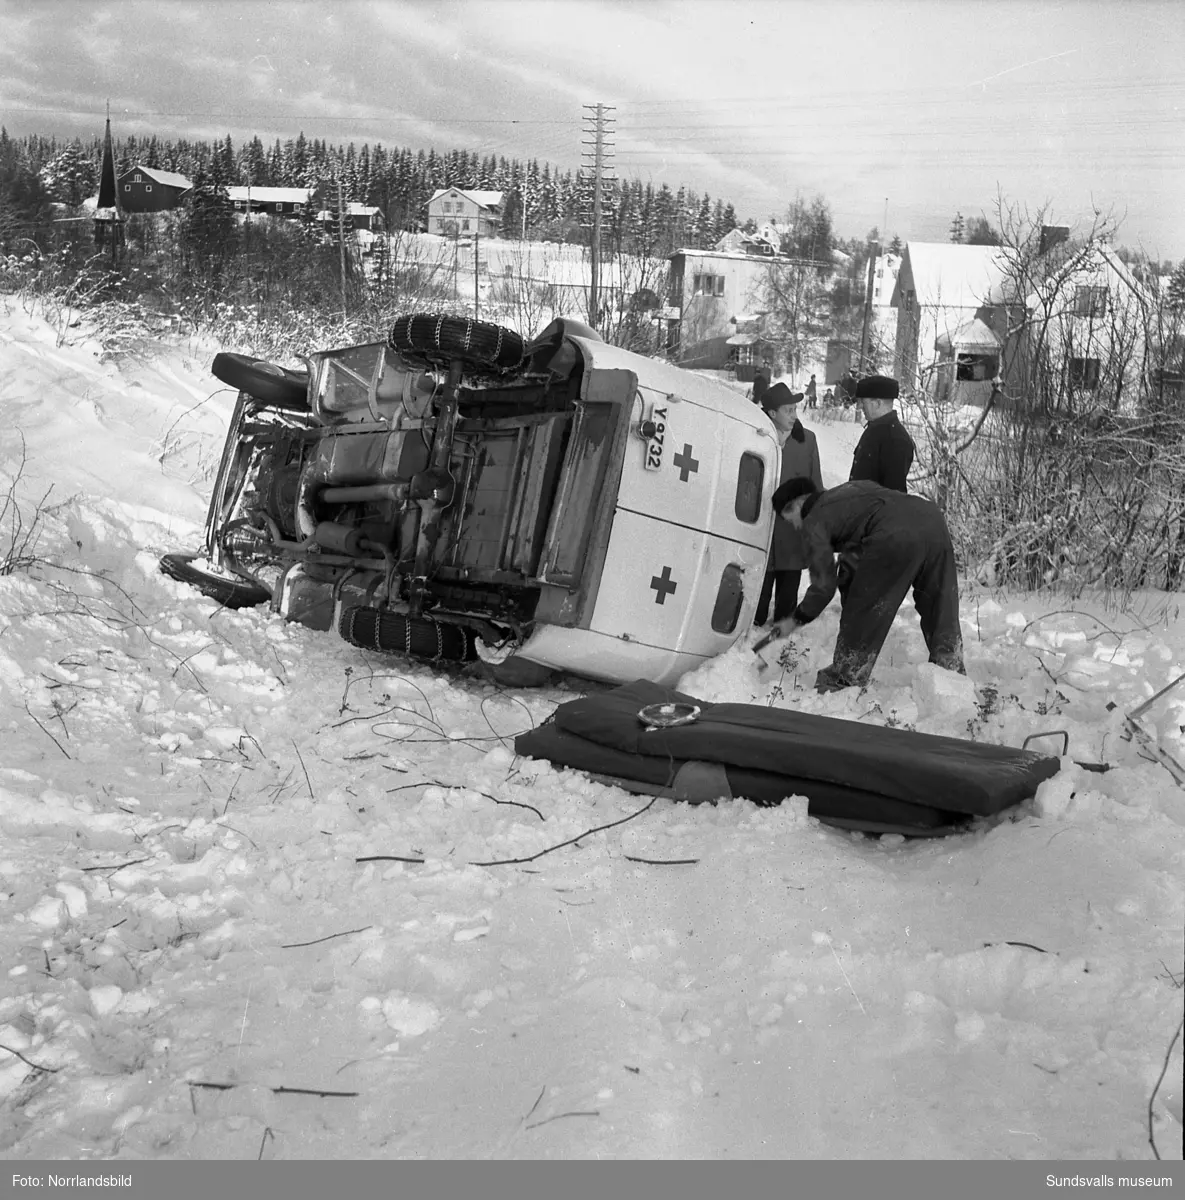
column 146, row 189
column 453, row 211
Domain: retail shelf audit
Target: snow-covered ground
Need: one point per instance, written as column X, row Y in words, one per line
column 196, row 964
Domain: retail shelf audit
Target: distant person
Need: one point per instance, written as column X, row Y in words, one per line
column 885, row 450
column 761, row 381
column 896, row 542
column 812, row 394
column 847, row 387
column 800, row 457
column 828, row 398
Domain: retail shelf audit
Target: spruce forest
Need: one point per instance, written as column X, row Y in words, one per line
column 541, row 201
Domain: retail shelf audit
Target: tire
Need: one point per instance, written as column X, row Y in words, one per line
column 230, row 593
column 265, row 381
column 422, row 638
column 441, row 339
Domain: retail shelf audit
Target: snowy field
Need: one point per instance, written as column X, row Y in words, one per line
column 196, row 965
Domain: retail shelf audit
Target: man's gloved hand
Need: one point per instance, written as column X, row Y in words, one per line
column 779, row 629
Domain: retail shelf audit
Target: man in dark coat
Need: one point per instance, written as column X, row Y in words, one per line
column 897, row 541
column 800, row 456
column 884, row 452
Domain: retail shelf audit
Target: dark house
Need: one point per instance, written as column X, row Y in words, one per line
column 270, row 201
column 145, row 190
column 358, row 216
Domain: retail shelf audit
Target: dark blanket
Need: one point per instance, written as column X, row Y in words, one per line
column 856, row 775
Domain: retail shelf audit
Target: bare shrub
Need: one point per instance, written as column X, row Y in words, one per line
column 20, row 531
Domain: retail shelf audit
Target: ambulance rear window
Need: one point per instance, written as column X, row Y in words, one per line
column 749, row 480
column 728, row 600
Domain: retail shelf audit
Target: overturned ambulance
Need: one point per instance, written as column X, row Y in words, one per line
column 453, row 494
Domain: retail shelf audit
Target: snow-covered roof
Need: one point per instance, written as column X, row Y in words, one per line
column 165, row 178
column 971, row 335
column 484, row 199
column 271, row 195
column 354, row 209
column 951, row 275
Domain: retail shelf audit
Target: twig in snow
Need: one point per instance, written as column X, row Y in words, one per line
column 538, row 1100
column 845, row 978
column 661, row 862
column 278, row 1091
column 506, row 862
column 460, row 787
column 510, row 862
column 515, row 803
column 327, row 938
column 308, row 781
column 184, row 662
column 592, row 1112
column 231, row 794
column 241, row 834
column 117, row 867
column 1160, row 1079
column 267, row 1133
column 243, row 1025
column 52, row 1070
column 47, row 733
column 295, row 1091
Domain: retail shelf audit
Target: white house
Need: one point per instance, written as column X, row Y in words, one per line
column 972, row 315
column 453, row 211
column 941, row 289
column 719, row 295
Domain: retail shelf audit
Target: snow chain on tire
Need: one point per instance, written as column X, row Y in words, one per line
column 439, row 338
column 422, row 638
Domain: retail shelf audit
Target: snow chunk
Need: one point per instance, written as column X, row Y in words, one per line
column 74, row 899
column 410, row 1016
column 226, row 737
column 939, row 692
column 48, row 913
column 105, row 998
column 1054, row 796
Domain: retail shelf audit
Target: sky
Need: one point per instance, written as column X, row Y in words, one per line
column 898, row 114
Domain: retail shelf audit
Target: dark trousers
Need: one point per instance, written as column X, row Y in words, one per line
column 782, row 588
column 913, row 553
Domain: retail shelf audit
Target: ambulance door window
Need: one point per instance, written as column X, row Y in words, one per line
column 729, row 599
column 749, row 482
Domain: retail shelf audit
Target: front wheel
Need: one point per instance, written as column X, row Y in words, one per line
column 227, row 590
column 274, row 385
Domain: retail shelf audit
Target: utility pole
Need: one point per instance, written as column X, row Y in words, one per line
column 341, row 241
column 873, row 251
column 476, row 263
column 599, row 125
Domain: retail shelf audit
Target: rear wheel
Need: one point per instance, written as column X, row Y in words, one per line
column 265, row 381
column 422, row 638
column 227, row 590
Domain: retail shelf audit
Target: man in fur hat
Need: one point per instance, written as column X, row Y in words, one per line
column 884, row 452
column 800, row 456
column 897, row 542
